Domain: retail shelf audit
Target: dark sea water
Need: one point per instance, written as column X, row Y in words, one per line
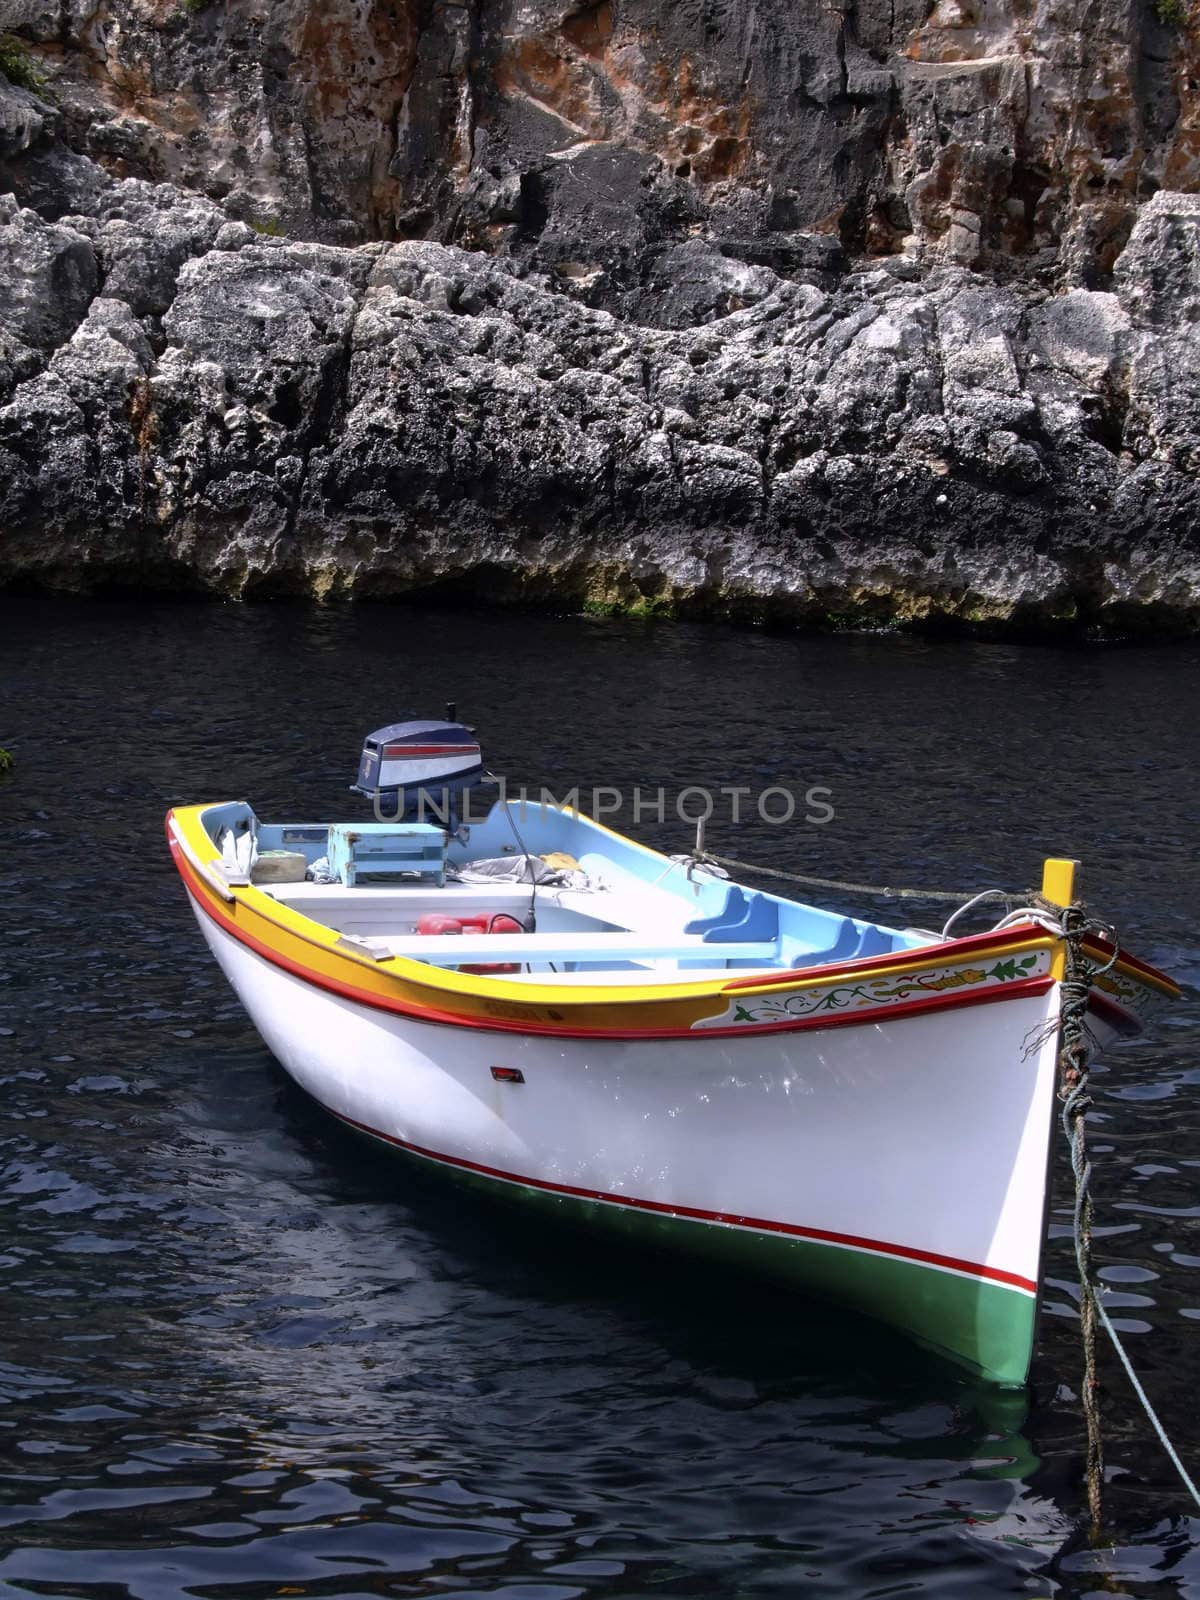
column 241, row 1357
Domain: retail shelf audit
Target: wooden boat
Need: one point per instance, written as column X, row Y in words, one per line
column 862, row 1110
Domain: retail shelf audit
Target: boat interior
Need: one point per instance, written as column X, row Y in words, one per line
column 619, row 913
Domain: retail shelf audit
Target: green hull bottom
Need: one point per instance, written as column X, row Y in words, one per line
column 983, row 1326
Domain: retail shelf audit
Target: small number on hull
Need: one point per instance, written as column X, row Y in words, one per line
column 508, row 1075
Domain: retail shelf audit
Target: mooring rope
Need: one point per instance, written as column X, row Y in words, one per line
column 1073, row 1089
column 1073, row 925
column 1135, row 1381
column 950, row 896
column 1077, row 981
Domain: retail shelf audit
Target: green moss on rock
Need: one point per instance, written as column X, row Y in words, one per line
column 19, row 66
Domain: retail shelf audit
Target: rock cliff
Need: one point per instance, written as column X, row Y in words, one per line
column 754, row 306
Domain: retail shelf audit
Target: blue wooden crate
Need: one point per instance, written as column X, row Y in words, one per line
column 387, row 849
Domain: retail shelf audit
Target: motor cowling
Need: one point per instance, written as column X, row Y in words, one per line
column 424, row 771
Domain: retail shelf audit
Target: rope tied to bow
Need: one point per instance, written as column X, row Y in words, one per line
column 1073, row 1089
column 1074, row 1092
column 1065, row 918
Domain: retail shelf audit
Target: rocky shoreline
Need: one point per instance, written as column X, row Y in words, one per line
column 188, row 402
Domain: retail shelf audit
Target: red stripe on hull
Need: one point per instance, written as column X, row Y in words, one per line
column 695, row 1214
column 1094, row 945
column 1125, row 1022
column 1026, row 989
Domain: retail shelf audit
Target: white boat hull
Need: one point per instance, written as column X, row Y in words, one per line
column 899, row 1164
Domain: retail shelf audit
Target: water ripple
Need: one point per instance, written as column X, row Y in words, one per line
column 242, row 1358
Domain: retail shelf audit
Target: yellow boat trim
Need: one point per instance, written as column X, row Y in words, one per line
column 675, row 1005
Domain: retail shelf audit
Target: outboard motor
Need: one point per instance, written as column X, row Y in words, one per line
column 425, row 772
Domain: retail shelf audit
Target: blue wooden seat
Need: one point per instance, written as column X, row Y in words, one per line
column 853, row 942
column 387, row 850
column 743, row 916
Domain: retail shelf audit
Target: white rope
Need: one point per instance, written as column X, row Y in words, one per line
column 1172, row 1453
column 986, row 894
column 1044, row 919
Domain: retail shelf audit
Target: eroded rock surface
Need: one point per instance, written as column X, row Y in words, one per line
column 768, row 308
column 589, row 133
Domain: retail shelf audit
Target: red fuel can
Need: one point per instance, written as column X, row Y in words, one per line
column 501, row 922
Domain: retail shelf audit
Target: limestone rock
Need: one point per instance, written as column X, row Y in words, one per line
column 980, row 134
column 1158, row 272
column 779, row 309
column 49, row 274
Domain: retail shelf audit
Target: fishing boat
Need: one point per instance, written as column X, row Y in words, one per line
column 518, row 995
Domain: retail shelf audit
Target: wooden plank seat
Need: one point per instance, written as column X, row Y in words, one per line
column 453, row 949
column 613, row 977
column 322, row 900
